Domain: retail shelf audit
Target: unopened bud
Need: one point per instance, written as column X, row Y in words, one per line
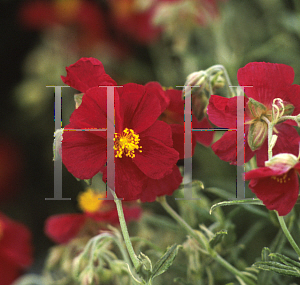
column 89, row 277
column 282, row 162
column 257, row 134
column 256, row 108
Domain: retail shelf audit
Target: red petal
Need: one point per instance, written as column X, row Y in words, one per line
column 178, row 139
column 62, row 228
column 287, row 142
column 222, row 111
column 9, row 272
column 83, row 153
column 269, row 80
column 275, row 195
column 15, row 245
column 129, row 179
column 203, row 137
column 140, row 106
column 87, row 73
column 225, row 147
column 160, row 187
column 163, row 98
column 157, row 157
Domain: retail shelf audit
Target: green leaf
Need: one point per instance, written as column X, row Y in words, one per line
column 217, row 238
column 284, row 259
column 253, row 201
column 278, row 268
column 265, row 254
column 165, row 261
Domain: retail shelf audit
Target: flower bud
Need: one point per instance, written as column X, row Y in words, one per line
column 256, row 108
column 257, row 134
column 282, row 162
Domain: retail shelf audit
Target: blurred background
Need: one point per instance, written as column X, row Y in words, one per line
column 137, row 41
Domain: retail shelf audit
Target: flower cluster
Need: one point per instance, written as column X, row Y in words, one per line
column 271, row 101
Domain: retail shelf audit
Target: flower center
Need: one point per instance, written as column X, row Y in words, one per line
column 126, row 143
column 281, row 179
column 88, row 201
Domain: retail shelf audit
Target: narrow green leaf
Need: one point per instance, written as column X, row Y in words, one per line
column 165, row 261
column 253, row 201
column 277, row 267
column 284, row 259
column 217, row 238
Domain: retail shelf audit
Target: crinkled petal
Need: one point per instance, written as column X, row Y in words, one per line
column 87, row 73
column 269, row 81
column 203, row 137
column 140, row 106
column 157, row 157
column 159, row 187
column 225, row 147
column 83, row 153
column 92, row 112
column 129, row 179
column 178, row 139
column 64, row 227
column 222, row 111
column 276, row 192
column 163, row 98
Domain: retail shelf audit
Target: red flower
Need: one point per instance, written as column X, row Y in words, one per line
column 277, row 184
column 174, row 115
column 269, row 81
column 96, row 215
column 143, row 146
column 134, row 21
column 15, row 249
column 82, row 16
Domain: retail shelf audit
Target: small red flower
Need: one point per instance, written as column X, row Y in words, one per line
column 143, row 145
column 269, row 81
column 15, row 249
column 96, row 215
column 277, row 184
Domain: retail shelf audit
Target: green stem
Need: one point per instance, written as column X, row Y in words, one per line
column 288, row 234
column 162, row 200
column 125, row 233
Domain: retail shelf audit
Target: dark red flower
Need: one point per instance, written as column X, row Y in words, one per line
column 83, row 17
column 269, row 81
column 96, row 215
column 143, row 145
column 15, row 249
column 174, row 115
column 277, row 184
column 134, row 21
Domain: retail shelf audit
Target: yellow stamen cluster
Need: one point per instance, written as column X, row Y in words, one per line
column 88, row 200
column 281, row 178
column 126, row 143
